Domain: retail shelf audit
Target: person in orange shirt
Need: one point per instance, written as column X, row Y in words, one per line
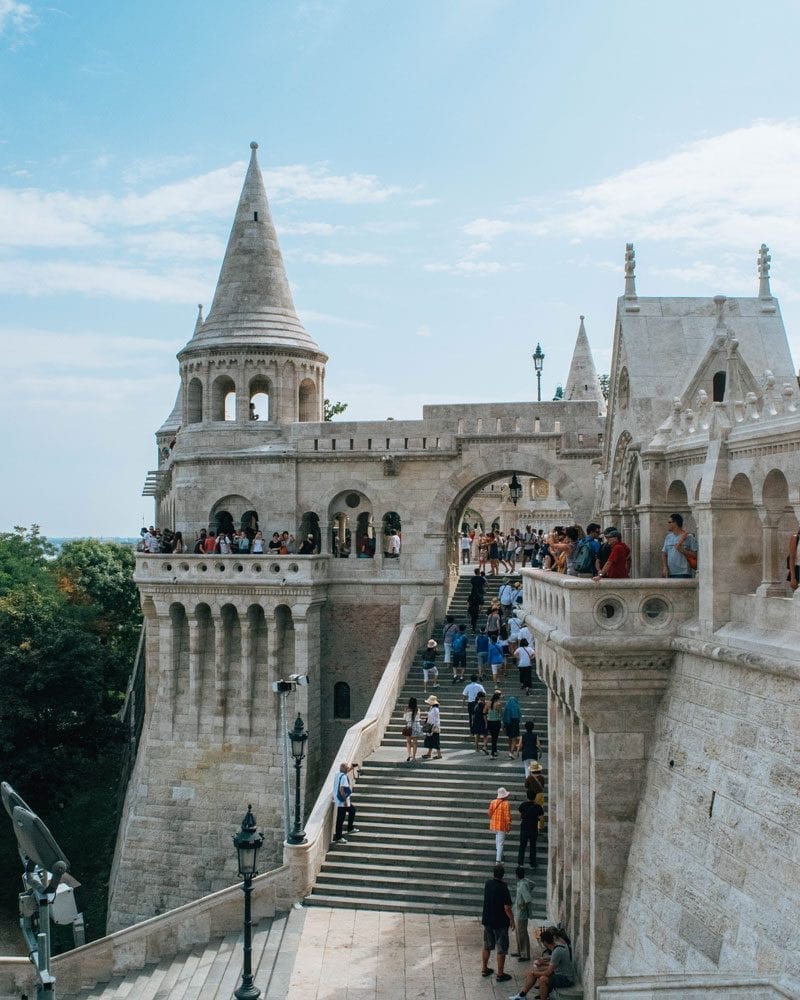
column 500, row 821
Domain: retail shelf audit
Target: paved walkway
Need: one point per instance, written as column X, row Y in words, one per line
column 373, row 955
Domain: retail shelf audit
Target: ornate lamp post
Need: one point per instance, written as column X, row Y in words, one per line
column 298, row 737
column 538, row 364
column 248, row 842
column 515, row 489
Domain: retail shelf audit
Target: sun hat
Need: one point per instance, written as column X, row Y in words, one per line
column 432, row 644
column 432, row 700
column 535, row 768
column 503, row 793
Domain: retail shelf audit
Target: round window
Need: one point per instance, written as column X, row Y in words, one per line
column 352, row 500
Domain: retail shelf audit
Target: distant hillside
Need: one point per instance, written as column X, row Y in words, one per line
column 58, row 542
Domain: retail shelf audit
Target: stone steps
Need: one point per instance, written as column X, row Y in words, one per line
column 424, row 844
column 212, row 971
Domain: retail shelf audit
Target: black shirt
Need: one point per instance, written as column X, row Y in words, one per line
column 530, row 813
column 495, row 897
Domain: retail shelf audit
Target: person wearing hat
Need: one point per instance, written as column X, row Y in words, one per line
column 429, row 669
column 433, row 719
column 529, row 748
column 617, row 565
column 530, row 813
column 500, row 821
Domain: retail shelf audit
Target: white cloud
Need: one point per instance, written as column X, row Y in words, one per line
column 309, row 229
column 106, row 280
column 312, row 317
column 171, row 243
column 423, row 330
column 16, row 18
column 735, row 190
column 298, row 182
column 475, row 268
column 346, row 259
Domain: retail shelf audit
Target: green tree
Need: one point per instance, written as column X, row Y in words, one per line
column 605, row 381
column 330, row 410
column 24, row 557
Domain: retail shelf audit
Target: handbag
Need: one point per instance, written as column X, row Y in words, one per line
column 428, row 727
column 405, row 731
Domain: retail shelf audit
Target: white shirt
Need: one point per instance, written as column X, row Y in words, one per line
column 339, row 778
column 394, row 545
column 523, row 656
column 525, row 633
column 465, row 543
column 433, row 716
column 472, row 690
column 506, row 595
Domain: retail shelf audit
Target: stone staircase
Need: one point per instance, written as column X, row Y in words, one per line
column 424, row 843
column 212, row 971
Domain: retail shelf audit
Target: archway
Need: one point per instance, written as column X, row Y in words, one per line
column 223, row 398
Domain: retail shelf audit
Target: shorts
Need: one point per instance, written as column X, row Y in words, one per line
column 459, row 660
column 512, row 729
column 448, row 649
column 557, row 980
column 426, row 671
column 497, row 937
column 483, row 659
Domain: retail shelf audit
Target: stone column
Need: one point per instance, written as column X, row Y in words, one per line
column 565, row 840
column 555, row 808
column 586, row 848
column 194, row 676
column 220, row 674
column 166, row 676
column 248, row 627
column 575, row 822
column 324, row 538
column 773, row 557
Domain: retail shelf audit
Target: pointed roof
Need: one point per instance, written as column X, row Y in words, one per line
column 582, row 382
column 253, row 302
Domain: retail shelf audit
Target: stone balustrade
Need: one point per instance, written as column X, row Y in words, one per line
column 580, row 609
column 240, row 569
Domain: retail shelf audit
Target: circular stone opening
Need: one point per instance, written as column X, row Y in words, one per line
column 220, row 568
column 184, row 567
column 256, row 568
column 293, row 568
column 274, row 568
column 352, row 500
column 167, row 567
column 239, row 567
column 203, row 568
column 609, row 612
column 655, row 609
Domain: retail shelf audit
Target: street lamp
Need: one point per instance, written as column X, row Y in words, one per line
column 298, row 737
column 514, row 489
column 248, row 842
column 538, row 363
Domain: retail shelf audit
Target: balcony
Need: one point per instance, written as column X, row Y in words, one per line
column 239, row 570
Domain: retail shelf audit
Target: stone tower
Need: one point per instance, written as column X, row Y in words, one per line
column 582, row 380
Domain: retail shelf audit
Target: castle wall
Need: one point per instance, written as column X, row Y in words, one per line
column 713, row 871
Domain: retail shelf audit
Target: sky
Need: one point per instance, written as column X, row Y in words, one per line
column 452, row 182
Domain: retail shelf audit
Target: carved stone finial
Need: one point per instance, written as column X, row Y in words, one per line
column 764, row 259
column 630, row 271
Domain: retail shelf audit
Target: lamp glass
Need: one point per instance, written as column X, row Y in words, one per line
column 248, row 853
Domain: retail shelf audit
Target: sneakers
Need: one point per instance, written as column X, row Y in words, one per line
column 340, row 840
column 354, row 830
column 518, row 996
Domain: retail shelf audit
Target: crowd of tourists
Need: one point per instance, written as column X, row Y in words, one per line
column 242, row 542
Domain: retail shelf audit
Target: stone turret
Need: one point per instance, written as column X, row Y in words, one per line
column 252, row 344
column 582, row 382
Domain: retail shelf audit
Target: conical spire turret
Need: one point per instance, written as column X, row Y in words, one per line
column 582, row 382
column 253, row 302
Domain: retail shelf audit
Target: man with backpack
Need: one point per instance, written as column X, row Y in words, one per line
column 459, row 650
column 341, row 799
column 586, row 559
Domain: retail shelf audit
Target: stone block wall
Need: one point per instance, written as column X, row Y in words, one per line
column 712, row 877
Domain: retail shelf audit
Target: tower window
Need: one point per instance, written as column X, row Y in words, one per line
column 255, row 216
column 341, row 700
column 719, row 387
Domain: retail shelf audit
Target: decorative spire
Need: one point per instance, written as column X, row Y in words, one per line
column 630, row 271
column 199, row 321
column 253, row 302
column 582, row 382
column 764, row 259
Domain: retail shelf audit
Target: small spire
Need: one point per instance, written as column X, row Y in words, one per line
column 630, row 271
column 582, row 382
column 199, row 321
column 764, row 258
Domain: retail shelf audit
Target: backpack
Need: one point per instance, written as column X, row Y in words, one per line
column 584, row 558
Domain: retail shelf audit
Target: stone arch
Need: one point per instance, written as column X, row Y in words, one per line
column 179, row 665
column 480, row 468
column 204, row 680
column 229, row 511
column 677, row 496
column 309, row 525
column 261, row 398
column 718, row 387
column 307, row 401
column 344, row 512
column 741, row 529
column 256, row 684
column 741, row 488
column 775, row 491
column 223, row 398
column 194, row 401
column 391, row 525
column 624, row 442
column 228, row 680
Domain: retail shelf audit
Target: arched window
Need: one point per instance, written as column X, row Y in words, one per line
column 719, row 387
column 307, row 401
column 223, row 521
column 195, row 402
column 249, row 521
column 223, row 399
column 341, row 700
column 392, row 535
column 309, row 525
column 260, row 398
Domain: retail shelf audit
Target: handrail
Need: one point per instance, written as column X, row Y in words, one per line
column 360, row 740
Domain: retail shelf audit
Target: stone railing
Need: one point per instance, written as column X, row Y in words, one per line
column 698, row 987
column 360, row 740
column 264, row 570
column 584, row 610
column 155, row 939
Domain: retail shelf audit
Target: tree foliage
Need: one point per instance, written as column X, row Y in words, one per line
column 331, row 410
column 605, row 381
column 69, row 626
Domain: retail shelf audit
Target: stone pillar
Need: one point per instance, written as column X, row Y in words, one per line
column 566, row 848
column 194, row 677
column 166, row 676
column 220, row 674
column 586, row 848
column 773, row 556
column 555, row 807
column 575, row 822
column 248, row 626
column 324, row 538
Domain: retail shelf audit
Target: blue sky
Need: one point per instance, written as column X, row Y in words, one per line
column 451, row 181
